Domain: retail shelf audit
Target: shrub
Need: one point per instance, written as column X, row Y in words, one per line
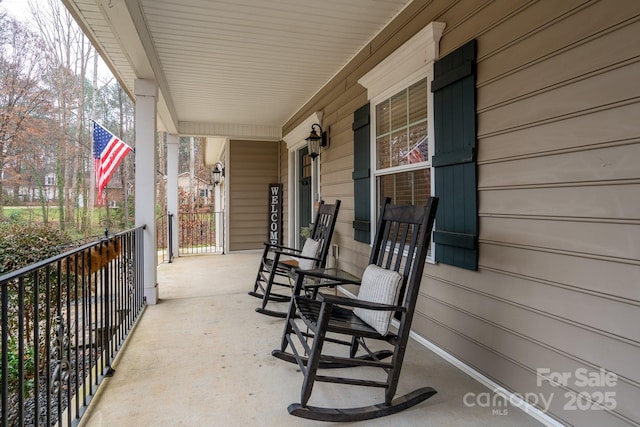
column 13, row 369
column 22, row 244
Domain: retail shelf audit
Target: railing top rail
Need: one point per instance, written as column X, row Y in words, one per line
column 43, row 263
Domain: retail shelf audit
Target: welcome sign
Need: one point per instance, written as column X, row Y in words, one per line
column 275, row 214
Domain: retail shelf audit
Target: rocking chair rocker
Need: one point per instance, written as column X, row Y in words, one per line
column 279, row 264
column 394, row 274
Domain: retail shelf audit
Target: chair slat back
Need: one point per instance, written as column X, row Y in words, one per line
column 323, row 227
column 403, row 236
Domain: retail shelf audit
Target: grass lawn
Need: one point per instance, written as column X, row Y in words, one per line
column 33, row 214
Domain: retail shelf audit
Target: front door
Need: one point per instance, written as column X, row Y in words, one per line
column 304, row 186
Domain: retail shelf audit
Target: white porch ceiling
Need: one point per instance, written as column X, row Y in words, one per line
column 234, row 68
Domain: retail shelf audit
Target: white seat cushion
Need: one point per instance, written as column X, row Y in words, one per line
column 378, row 285
column 309, row 249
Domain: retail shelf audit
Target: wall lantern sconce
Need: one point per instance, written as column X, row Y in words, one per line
column 218, row 171
column 315, row 141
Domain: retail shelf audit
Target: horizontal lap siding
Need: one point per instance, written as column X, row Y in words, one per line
column 558, row 285
column 253, row 166
column 336, row 172
column 560, row 228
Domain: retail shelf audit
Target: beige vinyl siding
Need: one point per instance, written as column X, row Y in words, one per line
column 559, row 227
column 558, row 286
column 253, row 165
column 336, row 168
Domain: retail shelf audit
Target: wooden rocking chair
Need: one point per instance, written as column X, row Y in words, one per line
column 279, row 264
column 395, row 265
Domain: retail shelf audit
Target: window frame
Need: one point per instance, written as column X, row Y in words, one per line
column 408, row 65
column 393, row 170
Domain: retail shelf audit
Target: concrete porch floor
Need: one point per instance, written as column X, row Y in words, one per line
column 202, row 357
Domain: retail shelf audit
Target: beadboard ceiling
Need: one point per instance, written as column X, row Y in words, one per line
column 236, row 68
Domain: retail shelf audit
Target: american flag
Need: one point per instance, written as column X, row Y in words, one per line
column 108, row 152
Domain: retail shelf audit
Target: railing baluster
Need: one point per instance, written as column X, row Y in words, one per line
column 76, row 333
column 47, row 341
column 72, row 367
column 86, row 325
column 4, row 377
column 60, row 334
column 98, row 282
column 89, row 326
column 36, row 341
column 21, row 348
column 171, row 237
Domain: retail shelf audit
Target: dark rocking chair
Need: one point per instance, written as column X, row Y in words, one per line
column 279, row 264
column 394, row 274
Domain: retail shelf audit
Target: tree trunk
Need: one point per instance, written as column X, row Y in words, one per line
column 1, row 186
column 43, row 199
column 79, row 183
column 92, row 172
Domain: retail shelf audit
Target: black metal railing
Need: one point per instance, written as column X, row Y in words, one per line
column 198, row 233
column 63, row 321
column 163, row 237
column 170, row 236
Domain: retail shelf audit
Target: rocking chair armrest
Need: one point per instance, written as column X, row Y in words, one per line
column 290, row 252
column 322, row 273
column 280, row 247
column 353, row 302
column 321, row 284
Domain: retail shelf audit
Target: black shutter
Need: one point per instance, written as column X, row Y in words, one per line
column 454, row 161
column 361, row 175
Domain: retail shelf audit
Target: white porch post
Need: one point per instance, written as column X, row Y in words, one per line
column 172, row 186
column 146, row 92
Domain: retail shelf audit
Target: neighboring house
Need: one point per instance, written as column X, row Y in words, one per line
column 29, row 192
column 530, row 115
column 50, row 187
column 28, row 189
column 202, row 189
column 114, row 193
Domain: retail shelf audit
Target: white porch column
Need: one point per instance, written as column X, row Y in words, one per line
column 146, row 92
column 172, row 186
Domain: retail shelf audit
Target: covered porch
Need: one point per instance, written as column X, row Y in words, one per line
column 536, row 261
column 201, row 356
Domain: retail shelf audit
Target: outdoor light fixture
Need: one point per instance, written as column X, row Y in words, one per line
column 218, row 171
column 315, row 141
